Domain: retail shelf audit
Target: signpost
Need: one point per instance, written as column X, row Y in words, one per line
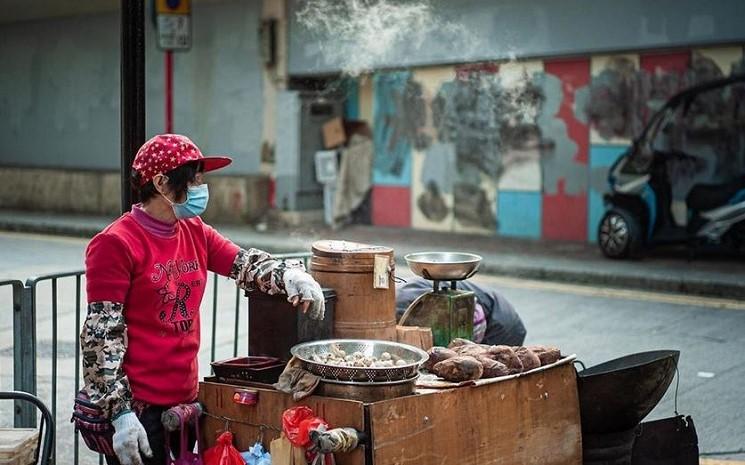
column 173, row 20
column 174, row 24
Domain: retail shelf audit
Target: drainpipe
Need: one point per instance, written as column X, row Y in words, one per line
column 132, row 92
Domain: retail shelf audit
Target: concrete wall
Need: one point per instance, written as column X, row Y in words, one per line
column 59, row 88
column 233, row 199
column 474, row 30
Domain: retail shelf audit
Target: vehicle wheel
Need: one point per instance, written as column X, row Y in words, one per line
column 619, row 234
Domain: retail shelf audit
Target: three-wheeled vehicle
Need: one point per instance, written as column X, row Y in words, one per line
column 683, row 178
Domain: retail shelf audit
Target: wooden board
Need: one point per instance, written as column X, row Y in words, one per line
column 217, row 399
column 416, row 336
column 529, row 419
column 17, row 445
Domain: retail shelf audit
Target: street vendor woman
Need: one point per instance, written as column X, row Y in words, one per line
column 146, row 274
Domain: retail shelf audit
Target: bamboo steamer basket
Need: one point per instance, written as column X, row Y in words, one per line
column 362, row 311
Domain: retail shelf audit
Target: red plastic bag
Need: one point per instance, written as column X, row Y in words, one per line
column 297, row 423
column 223, row 453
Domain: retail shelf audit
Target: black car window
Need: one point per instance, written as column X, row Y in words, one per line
column 712, row 133
column 668, row 136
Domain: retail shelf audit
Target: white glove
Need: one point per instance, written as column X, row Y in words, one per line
column 130, row 439
column 301, row 287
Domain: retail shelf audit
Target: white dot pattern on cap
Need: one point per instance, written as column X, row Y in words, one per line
column 163, row 153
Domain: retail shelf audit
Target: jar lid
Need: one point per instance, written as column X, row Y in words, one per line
column 340, row 249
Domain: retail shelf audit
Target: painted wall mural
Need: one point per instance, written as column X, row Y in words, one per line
column 519, row 148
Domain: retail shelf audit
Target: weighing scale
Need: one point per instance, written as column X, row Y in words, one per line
column 446, row 309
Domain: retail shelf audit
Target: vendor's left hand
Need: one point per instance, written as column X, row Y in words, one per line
column 303, row 290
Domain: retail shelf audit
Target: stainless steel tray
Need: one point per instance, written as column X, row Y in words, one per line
column 443, row 266
column 415, row 356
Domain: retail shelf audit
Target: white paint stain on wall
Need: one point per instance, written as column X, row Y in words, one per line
column 522, row 163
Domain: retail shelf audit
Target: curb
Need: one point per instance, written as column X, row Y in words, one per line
column 696, row 287
column 49, row 228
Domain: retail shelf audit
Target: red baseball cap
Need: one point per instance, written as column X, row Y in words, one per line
column 165, row 152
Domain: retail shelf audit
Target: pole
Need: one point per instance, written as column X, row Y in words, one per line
column 169, row 91
column 132, row 92
column 24, row 350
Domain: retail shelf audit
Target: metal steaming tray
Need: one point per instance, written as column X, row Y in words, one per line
column 371, row 348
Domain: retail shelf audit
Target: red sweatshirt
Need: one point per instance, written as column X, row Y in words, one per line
column 160, row 281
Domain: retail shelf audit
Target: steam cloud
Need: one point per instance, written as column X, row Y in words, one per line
column 363, row 34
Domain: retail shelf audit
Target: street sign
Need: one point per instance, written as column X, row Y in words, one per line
column 174, row 24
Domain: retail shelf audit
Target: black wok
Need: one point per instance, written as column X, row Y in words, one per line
column 616, row 395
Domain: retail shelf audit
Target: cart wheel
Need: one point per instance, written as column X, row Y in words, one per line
column 619, row 234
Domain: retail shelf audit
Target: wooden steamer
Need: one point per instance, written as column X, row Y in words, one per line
column 362, row 310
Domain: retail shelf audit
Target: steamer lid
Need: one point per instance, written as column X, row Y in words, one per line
column 347, row 249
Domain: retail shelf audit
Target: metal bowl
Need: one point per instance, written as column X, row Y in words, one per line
column 371, row 348
column 443, row 266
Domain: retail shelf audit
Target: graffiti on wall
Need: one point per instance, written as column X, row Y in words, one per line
column 472, row 130
column 470, row 141
column 479, row 130
column 623, row 97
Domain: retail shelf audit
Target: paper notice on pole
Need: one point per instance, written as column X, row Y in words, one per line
column 381, row 271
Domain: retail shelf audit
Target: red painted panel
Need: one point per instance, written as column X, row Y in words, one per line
column 463, row 72
column 391, row 206
column 564, row 216
column 677, row 62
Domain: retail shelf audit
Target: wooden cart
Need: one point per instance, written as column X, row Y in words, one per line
column 532, row 418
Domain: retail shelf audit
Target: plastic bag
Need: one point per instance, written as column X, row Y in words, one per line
column 256, row 455
column 223, row 452
column 297, row 423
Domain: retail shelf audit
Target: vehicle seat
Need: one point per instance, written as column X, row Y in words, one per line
column 703, row 197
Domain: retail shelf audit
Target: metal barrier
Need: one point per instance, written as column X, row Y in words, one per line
column 25, row 350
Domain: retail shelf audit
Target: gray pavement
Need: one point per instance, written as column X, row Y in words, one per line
column 666, row 270
column 595, row 323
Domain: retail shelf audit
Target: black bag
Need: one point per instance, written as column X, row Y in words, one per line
column 670, row 441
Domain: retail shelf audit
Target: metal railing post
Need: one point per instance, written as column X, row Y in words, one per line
column 24, row 350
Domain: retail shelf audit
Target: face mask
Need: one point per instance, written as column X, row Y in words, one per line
column 195, row 203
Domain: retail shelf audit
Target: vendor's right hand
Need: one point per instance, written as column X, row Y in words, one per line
column 130, row 439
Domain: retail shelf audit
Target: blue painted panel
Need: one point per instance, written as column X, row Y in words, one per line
column 392, row 165
column 601, row 158
column 351, row 88
column 519, row 214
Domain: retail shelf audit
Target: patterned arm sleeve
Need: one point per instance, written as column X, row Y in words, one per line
column 255, row 269
column 103, row 341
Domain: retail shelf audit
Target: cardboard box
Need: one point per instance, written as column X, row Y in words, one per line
column 333, row 133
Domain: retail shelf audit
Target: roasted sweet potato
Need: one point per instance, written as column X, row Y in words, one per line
column 546, row 354
column 492, row 368
column 460, row 368
column 471, row 349
column 528, row 358
column 459, row 341
column 506, row 356
column 436, row 355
